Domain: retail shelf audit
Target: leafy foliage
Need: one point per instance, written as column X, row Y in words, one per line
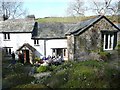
column 14, row 75
column 104, row 55
column 42, row 69
column 31, row 86
column 86, row 74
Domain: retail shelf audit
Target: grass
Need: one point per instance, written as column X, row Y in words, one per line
column 63, row 19
column 73, row 19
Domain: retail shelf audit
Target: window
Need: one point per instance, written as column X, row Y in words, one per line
column 59, row 52
column 108, row 41
column 36, row 42
column 7, row 36
column 7, row 50
column 64, row 52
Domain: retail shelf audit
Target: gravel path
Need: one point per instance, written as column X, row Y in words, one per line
column 39, row 75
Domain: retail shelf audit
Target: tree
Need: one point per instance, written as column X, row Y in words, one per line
column 102, row 7
column 11, row 9
column 105, row 7
column 118, row 10
column 76, row 8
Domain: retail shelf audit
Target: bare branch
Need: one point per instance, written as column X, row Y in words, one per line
column 11, row 9
column 76, row 8
column 105, row 7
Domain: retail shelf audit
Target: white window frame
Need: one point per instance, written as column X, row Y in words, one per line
column 109, row 40
column 64, row 51
column 6, row 36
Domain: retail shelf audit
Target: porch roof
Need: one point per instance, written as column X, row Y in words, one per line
column 28, row 46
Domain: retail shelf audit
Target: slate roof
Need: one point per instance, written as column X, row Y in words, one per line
column 84, row 25
column 52, row 30
column 118, row 25
column 28, row 46
column 60, row 30
column 48, row 30
column 17, row 25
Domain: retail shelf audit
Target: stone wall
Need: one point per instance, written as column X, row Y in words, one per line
column 88, row 44
column 70, row 47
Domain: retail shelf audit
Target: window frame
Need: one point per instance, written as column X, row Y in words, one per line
column 6, row 36
column 8, row 50
column 110, row 37
column 36, row 42
column 63, row 52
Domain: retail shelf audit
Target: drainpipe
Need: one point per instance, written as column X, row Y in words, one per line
column 45, row 48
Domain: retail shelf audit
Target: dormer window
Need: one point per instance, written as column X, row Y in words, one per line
column 6, row 36
column 36, row 42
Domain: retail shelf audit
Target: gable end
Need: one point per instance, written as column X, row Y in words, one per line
column 80, row 31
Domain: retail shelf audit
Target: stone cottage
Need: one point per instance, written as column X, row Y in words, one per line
column 81, row 41
column 86, row 39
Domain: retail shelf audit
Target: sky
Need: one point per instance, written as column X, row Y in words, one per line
column 46, row 9
column 50, row 8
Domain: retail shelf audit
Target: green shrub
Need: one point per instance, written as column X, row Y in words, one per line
column 52, row 67
column 37, row 59
column 104, row 55
column 85, row 74
column 118, row 46
column 119, row 49
column 57, row 79
column 31, row 86
column 16, row 79
column 42, row 69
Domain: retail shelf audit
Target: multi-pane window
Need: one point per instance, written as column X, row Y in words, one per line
column 36, row 42
column 6, row 36
column 59, row 52
column 108, row 41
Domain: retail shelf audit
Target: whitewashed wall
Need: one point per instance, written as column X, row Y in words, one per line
column 18, row 39
column 1, row 40
column 40, row 49
column 55, row 43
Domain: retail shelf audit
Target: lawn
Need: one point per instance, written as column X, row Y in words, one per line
column 72, row 19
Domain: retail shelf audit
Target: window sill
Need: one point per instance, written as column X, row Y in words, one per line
column 7, row 40
column 36, row 45
column 107, row 49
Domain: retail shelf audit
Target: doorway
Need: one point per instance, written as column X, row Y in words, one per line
column 26, row 56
